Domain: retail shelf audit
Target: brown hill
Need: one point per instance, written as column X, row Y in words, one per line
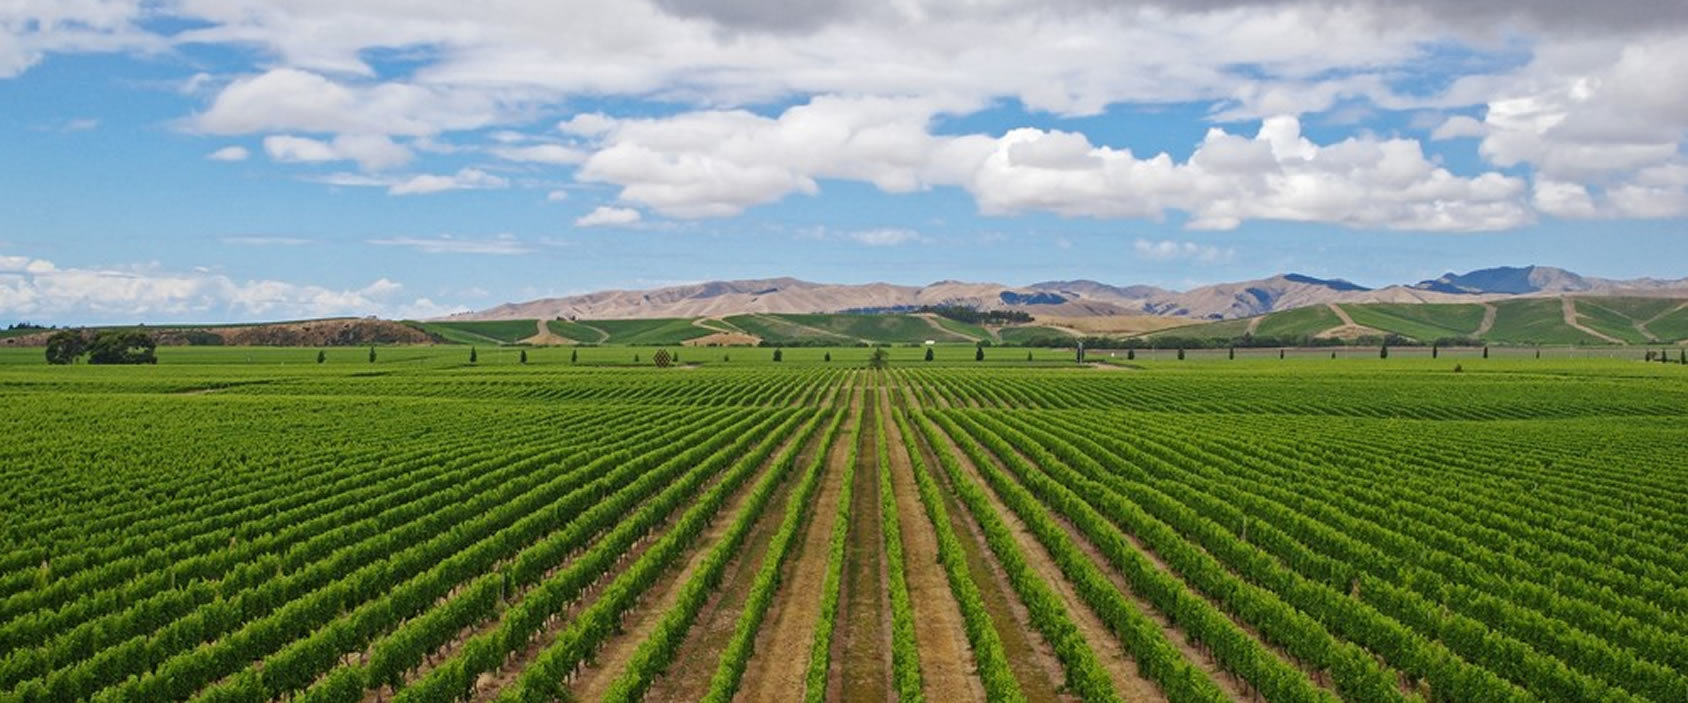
column 331, row 332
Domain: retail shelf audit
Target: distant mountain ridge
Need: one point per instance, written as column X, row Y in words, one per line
column 1074, row 298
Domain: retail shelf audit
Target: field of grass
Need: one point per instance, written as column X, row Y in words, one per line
column 1300, row 322
column 1672, row 325
column 1223, row 329
column 965, row 330
column 1020, row 334
column 1609, row 322
column 671, row 330
column 1535, row 321
column 483, row 332
column 1423, row 322
column 1522, row 321
column 579, row 332
column 893, row 329
column 236, row 524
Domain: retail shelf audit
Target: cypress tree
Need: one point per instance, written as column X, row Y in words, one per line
column 1028, row 356
column 574, row 355
column 472, row 355
column 321, row 356
column 1131, row 355
column 779, row 355
column 928, row 353
column 1280, row 355
column 524, row 356
column 1180, row 353
column 828, row 356
column 372, row 355
column 1231, row 353
column 1682, row 357
column 1434, row 351
column 1485, row 351
column 1383, row 352
column 979, row 353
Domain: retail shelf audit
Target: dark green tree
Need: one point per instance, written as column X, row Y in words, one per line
column 574, row 356
column 1131, row 355
column 880, row 358
column 524, row 356
column 674, row 358
column 1180, row 353
column 1231, row 353
column 372, row 355
column 1485, row 351
column 779, row 355
column 64, row 347
column 472, row 356
column 1280, row 355
column 828, row 356
column 321, row 356
column 1383, row 351
column 1028, row 356
column 928, row 353
column 978, row 353
column 1435, row 351
column 118, row 347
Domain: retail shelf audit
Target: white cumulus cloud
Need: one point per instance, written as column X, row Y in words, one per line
column 607, row 216
column 36, row 289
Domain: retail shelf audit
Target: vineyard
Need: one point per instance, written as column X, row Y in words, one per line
column 422, row 530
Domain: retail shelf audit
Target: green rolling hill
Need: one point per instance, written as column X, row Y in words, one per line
column 1517, row 321
column 487, row 332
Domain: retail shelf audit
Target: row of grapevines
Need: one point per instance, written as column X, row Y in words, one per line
column 1085, row 676
column 989, row 657
column 541, row 603
column 723, row 684
column 1450, row 677
column 820, row 648
column 905, row 654
column 653, row 654
column 542, row 680
column 1090, row 505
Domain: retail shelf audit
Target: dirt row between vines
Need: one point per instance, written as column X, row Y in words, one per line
column 687, row 678
column 776, row 670
column 1030, row 657
column 594, row 679
column 946, row 659
column 1121, row 668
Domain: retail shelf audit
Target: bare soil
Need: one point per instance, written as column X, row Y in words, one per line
column 776, row 671
column 594, row 679
column 1030, row 657
column 1488, row 322
column 1569, row 306
column 1122, row 670
column 687, row 678
column 861, row 651
column 946, row 660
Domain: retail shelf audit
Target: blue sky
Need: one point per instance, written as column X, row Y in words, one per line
column 250, row 160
